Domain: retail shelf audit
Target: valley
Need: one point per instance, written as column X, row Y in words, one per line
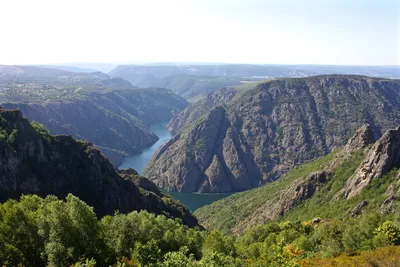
column 109, row 112
column 245, row 175
column 139, row 162
column 243, row 133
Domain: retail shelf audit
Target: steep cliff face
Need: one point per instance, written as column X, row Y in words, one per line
column 311, row 190
column 384, row 156
column 200, row 108
column 35, row 162
column 257, row 137
column 113, row 120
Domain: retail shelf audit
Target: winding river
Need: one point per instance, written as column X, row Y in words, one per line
column 139, row 162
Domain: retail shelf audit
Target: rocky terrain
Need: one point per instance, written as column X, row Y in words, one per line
column 200, row 108
column 328, row 187
column 255, row 138
column 384, row 156
column 35, row 162
column 89, row 106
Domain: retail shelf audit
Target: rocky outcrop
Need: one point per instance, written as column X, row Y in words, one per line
column 389, row 204
column 285, row 201
column 262, row 133
column 363, row 137
column 357, row 210
column 383, row 156
column 34, row 162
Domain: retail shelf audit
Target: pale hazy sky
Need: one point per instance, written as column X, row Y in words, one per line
column 349, row 32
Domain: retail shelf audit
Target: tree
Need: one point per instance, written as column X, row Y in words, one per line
column 386, row 234
column 70, row 230
column 147, row 254
column 19, row 239
column 217, row 242
column 179, row 259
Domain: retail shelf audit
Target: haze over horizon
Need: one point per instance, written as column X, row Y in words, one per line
column 253, row 32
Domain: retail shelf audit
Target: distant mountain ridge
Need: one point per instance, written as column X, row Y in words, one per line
column 135, row 73
column 255, row 138
column 195, row 80
column 59, row 77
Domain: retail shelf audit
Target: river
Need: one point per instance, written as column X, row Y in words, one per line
column 139, row 162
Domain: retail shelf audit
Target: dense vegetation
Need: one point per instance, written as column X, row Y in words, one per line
column 38, row 232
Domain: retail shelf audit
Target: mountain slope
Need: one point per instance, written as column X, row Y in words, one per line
column 35, row 162
column 255, row 138
column 203, row 105
column 313, row 190
column 93, row 107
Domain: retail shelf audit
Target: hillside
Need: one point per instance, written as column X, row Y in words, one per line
column 67, row 232
column 199, row 108
column 35, row 162
column 319, row 189
column 108, row 112
column 255, row 138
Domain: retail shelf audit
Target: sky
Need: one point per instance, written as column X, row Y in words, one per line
column 334, row 32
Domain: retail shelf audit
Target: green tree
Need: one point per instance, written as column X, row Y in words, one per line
column 180, row 258
column 147, row 254
column 386, row 234
column 217, row 242
column 215, row 259
column 70, row 230
column 19, row 239
column 329, row 236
